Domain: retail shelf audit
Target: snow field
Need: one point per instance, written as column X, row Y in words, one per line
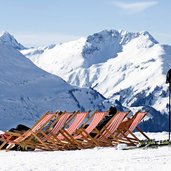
column 90, row 159
column 97, row 159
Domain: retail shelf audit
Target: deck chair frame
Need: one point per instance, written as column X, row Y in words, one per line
column 48, row 137
column 104, row 136
column 67, row 133
column 129, row 126
column 83, row 134
column 57, row 138
column 87, row 141
column 43, row 121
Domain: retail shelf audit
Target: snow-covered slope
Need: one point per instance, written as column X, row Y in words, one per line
column 129, row 67
column 10, row 41
column 33, row 53
column 26, row 91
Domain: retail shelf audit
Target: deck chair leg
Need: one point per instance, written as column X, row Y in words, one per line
column 71, row 139
column 47, row 138
column 58, row 145
column 48, row 148
column 6, row 141
column 3, row 144
column 107, row 131
column 128, row 139
column 142, row 133
column 132, row 134
column 91, row 138
column 9, row 147
column 98, row 133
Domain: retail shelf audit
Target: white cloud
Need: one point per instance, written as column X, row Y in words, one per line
column 135, row 7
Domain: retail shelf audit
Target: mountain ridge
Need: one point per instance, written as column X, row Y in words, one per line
column 120, row 65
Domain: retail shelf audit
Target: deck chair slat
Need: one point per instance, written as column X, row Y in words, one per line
column 78, row 120
column 61, row 121
column 116, row 120
column 97, row 117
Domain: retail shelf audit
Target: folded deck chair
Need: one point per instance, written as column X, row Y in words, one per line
column 16, row 138
column 127, row 127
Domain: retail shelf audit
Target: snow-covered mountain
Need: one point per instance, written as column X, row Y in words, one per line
column 26, row 91
column 129, row 67
column 10, row 41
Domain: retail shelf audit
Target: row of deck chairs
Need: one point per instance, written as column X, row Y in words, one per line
column 56, row 131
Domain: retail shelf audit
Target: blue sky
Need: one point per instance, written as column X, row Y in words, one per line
column 42, row 22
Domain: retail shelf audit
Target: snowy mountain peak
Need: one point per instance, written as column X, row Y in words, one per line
column 9, row 40
column 106, row 44
column 121, row 36
column 88, row 51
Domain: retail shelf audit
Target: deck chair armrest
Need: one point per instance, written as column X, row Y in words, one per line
column 17, row 134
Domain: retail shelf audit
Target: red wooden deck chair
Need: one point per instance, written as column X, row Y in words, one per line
column 15, row 138
column 57, row 138
column 103, row 138
column 83, row 134
column 96, row 118
column 66, row 133
column 79, row 118
column 49, row 137
column 127, row 127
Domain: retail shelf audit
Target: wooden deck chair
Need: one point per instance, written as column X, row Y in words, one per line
column 16, row 138
column 127, row 127
column 57, row 138
column 83, row 134
column 103, row 137
column 64, row 137
column 95, row 119
column 77, row 121
column 85, row 140
column 46, row 135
